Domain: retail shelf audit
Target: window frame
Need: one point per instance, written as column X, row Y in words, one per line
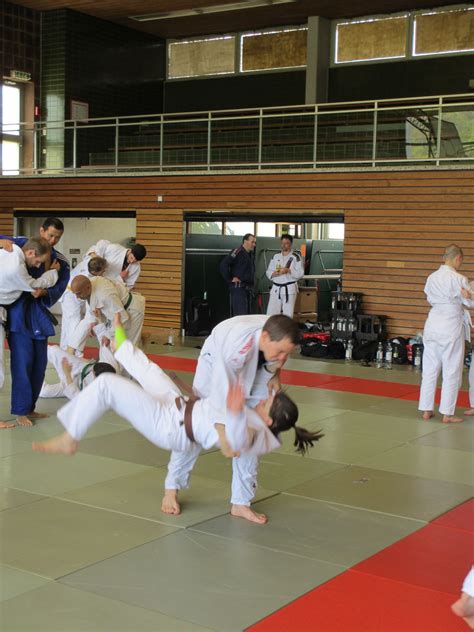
column 237, row 54
column 410, row 41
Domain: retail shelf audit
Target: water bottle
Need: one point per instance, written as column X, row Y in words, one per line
column 379, row 356
column 388, row 356
column 349, row 348
column 171, row 338
column 333, row 301
column 417, row 359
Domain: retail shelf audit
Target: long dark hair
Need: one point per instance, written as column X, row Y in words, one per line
column 284, row 414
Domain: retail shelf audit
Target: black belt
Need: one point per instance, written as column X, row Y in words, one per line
column 285, row 285
column 188, row 417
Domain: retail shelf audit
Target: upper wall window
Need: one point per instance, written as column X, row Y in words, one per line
column 436, row 33
column 202, row 57
column 371, row 39
column 273, row 49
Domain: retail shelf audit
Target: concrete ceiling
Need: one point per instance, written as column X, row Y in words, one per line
column 119, row 12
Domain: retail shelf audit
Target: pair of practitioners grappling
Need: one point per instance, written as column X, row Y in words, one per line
column 240, row 409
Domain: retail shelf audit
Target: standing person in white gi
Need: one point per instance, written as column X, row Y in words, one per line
column 106, row 298
column 238, row 348
column 284, row 271
column 445, row 331
column 469, row 302
column 73, row 308
column 122, row 263
column 14, row 279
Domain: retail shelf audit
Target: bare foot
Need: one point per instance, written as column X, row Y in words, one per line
column 451, row 419
column 61, row 444
column 469, row 412
column 428, row 414
column 22, row 420
column 242, row 511
column 170, row 504
column 35, row 415
column 464, row 607
column 6, row 424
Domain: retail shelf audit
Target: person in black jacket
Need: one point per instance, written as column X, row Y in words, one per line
column 238, row 270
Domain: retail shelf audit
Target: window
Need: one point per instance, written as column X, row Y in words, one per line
column 266, row 229
column 371, row 39
column 10, row 128
column 239, row 228
column 202, row 57
column 205, row 228
column 273, row 49
column 335, row 231
column 441, row 32
column 220, row 55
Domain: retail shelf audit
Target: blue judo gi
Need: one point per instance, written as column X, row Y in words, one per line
column 29, row 324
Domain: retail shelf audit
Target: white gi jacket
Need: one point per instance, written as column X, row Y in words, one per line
column 231, row 352
column 14, row 277
column 114, row 254
column 286, row 283
column 447, row 319
column 110, row 298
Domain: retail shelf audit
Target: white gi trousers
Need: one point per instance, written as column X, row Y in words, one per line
column 277, row 303
column 160, row 423
column 73, row 311
column 244, row 467
column 153, row 414
column 447, row 357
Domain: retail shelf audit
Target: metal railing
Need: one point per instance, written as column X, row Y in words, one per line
column 431, row 131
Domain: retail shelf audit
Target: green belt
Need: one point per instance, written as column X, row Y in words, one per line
column 85, row 372
column 128, row 301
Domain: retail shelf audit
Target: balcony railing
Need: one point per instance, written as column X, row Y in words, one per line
column 431, row 131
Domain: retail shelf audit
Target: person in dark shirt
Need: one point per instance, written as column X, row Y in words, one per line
column 238, row 270
column 29, row 325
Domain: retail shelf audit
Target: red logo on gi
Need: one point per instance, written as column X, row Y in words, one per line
column 247, row 346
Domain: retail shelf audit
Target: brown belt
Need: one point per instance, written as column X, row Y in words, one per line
column 188, row 416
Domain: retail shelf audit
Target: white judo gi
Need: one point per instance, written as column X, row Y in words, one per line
column 285, row 287
column 230, row 352
column 115, row 254
column 81, row 372
column 468, row 584
column 110, row 298
column 73, row 308
column 14, row 279
column 156, row 410
column 446, row 329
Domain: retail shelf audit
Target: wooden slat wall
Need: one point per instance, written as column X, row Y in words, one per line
column 397, row 224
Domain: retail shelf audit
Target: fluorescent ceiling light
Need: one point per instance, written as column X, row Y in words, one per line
column 218, row 8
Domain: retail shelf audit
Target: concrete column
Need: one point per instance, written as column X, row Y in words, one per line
column 318, row 57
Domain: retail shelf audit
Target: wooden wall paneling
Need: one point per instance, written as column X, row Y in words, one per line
column 161, row 281
column 397, row 224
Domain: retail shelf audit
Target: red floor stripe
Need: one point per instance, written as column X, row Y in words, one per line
column 340, row 383
column 434, row 557
column 354, row 602
column 460, row 518
column 407, row 587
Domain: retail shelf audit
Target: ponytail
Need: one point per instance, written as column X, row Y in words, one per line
column 284, row 414
column 305, row 439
